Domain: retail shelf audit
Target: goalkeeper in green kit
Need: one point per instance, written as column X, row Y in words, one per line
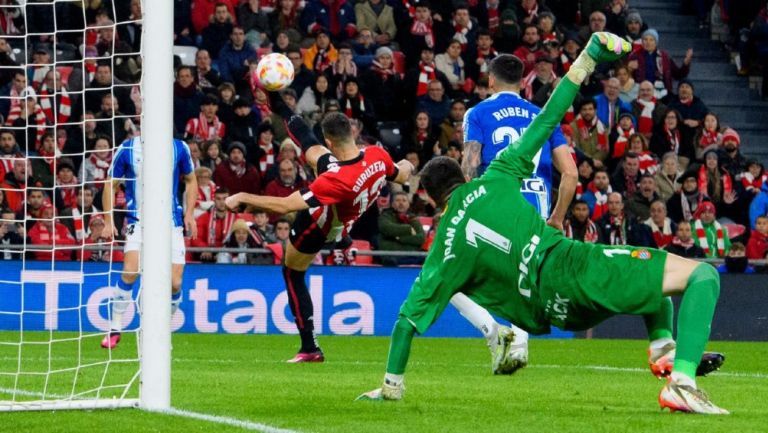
column 495, row 248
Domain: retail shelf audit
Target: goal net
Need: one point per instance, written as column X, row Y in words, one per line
column 70, row 92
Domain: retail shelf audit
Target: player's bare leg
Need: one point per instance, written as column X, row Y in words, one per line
column 294, row 272
column 699, row 285
column 122, row 296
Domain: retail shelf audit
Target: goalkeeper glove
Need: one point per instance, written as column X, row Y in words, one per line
column 603, row 47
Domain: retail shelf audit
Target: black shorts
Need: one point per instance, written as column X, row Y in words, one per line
column 308, row 238
column 306, row 235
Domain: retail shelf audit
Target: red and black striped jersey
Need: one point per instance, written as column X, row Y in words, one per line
column 343, row 190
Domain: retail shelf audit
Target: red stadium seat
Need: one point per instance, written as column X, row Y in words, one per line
column 277, row 252
column 426, row 223
column 247, row 217
column 399, row 59
column 362, row 246
column 262, row 51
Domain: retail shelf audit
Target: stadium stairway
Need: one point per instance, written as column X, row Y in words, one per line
column 712, row 73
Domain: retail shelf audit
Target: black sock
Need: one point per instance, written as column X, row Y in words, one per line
column 301, row 307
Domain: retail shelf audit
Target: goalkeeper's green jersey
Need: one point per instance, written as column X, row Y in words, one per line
column 491, row 242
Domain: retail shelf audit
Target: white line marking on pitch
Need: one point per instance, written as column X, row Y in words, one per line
column 234, row 422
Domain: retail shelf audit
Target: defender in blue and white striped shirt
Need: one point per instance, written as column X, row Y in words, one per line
column 126, row 168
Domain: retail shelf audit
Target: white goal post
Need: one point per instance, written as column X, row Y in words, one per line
column 157, row 133
column 44, row 366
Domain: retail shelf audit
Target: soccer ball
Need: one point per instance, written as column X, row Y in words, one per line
column 275, row 72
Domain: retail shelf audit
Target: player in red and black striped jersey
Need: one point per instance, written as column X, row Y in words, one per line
column 349, row 180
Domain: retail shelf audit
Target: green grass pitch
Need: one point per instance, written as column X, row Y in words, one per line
column 571, row 386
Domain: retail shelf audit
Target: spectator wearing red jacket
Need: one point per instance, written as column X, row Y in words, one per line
column 207, row 126
column 95, row 230
column 235, row 174
column 757, row 247
column 286, row 184
column 530, row 48
column 214, row 225
column 48, row 231
column 14, row 184
column 203, row 10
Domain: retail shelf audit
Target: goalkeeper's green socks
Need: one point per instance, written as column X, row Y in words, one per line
column 659, row 324
column 695, row 320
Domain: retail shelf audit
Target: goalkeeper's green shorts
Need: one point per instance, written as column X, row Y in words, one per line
column 583, row 284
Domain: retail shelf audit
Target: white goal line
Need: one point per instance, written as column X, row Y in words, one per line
column 63, row 402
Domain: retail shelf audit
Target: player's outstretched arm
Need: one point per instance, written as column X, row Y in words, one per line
column 279, row 205
column 569, row 178
column 107, row 197
column 190, row 198
column 602, row 47
column 471, row 158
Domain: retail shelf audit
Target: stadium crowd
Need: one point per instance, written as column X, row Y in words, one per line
column 656, row 167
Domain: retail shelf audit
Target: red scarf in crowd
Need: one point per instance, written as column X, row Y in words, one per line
column 227, row 221
column 601, row 201
column 68, row 191
column 348, row 109
column 673, row 138
column 590, row 235
column 424, row 29
column 50, row 159
column 685, row 205
column 48, row 100
column 530, row 79
column 237, row 168
column 645, row 122
column 752, row 183
column 620, row 146
column 492, row 54
column 40, row 121
column 701, row 234
column 410, row 8
column 662, row 235
column 709, row 138
column 202, row 130
column 77, row 221
column 493, row 20
column 101, row 166
column 585, row 132
column 617, row 235
column 703, row 181
column 461, row 34
column 532, row 13
column 38, row 75
column 383, row 73
column 268, row 159
column 322, row 61
column 688, row 244
column 648, row 164
column 566, row 62
column 205, row 193
column 426, row 74
column 90, row 69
